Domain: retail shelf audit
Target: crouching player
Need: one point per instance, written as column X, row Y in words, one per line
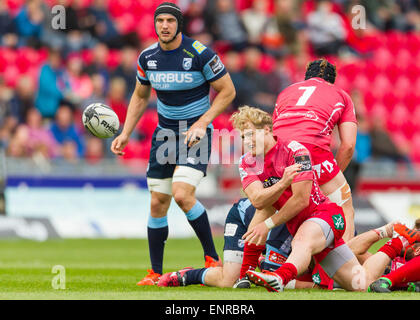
column 316, row 224
column 236, row 224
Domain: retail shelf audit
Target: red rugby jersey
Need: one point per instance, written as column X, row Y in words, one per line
column 270, row 168
column 307, row 111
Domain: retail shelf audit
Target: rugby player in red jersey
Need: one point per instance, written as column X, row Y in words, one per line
column 316, row 223
column 307, row 112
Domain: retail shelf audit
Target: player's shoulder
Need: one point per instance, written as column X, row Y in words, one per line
column 294, row 148
column 198, row 49
column 244, row 159
column 149, row 51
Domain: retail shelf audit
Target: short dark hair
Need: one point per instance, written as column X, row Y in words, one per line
column 321, row 69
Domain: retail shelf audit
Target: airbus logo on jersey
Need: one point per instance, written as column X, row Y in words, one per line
column 168, row 77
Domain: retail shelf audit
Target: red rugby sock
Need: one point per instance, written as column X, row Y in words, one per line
column 410, row 272
column 251, row 254
column 287, row 272
column 392, row 248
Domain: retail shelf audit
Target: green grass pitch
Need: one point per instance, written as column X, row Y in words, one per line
column 110, row 269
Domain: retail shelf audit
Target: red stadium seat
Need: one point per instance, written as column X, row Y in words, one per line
column 398, row 119
column 113, row 58
column 413, row 45
column 395, row 41
column 412, row 100
column 11, row 76
column 361, row 82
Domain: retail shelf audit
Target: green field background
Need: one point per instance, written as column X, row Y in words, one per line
column 110, row 269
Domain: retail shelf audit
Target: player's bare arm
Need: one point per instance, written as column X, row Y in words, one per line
column 347, row 132
column 295, row 204
column 137, row 106
column 261, row 197
column 225, row 94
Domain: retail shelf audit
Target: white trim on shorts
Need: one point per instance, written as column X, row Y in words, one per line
column 187, row 175
column 233, row 256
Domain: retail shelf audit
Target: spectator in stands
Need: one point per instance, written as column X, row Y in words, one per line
column 98, row 91
column 8, row 31
column 388, row 15
column 194, row 23
column 23, row 98
column 232, row 62
column 29, row 23
column 51, row 85
column 127, row 70
column 289, row 26
column 79, row 83
column 8, row 121
column 104, row 28
column 254, row 90
column 279, row 78
column 255, row 20
column 66, row 134
column 99, row 63
column 116, row 98
column 32, row 139
column 363, row 151
column 326, row 30
column 94, row 150
column 383, row 148
column 226, row 26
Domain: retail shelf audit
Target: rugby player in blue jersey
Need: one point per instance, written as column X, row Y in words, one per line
column 181, row 70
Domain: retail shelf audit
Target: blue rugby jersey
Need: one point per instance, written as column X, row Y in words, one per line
column 181, row 79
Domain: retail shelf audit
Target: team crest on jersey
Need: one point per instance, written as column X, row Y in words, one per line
column 187, row 64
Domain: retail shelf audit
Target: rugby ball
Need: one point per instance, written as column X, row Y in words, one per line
column 100, row 120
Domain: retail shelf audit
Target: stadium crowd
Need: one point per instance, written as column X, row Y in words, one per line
column 48, row 76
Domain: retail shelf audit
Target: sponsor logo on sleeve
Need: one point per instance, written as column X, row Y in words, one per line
column 216, row 65
column 305, row 161
column 199, row 47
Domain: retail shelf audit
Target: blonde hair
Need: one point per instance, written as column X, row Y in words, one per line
column 257, row 117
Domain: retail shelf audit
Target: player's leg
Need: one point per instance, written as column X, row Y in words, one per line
column 309, row 240
column 409, row 272
column 157, row 226
column 184, row 183
column 223, row 277
column 339, row 192
column 355, row 277
column 251, row 251
column 362, row 242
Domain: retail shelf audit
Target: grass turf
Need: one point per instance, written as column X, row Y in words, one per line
column 110, row 269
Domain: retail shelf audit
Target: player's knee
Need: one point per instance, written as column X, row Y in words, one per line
column 183, row 198
column 159, row 205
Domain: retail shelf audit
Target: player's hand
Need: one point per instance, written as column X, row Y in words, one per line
column 290, row 173
column 119, row 143
column 195, row 133
column 257, row 235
